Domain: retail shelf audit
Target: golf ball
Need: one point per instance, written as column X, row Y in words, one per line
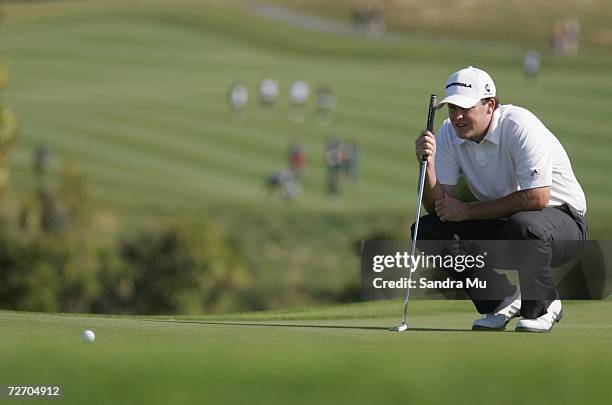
column 88, row 336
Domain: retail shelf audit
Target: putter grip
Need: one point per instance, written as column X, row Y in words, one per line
column 431, row 116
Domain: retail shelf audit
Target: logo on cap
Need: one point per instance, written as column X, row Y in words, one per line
column 487, row 87
column 458, row 84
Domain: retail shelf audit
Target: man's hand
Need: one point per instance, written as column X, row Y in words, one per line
column 450, row 209
column 425, row 145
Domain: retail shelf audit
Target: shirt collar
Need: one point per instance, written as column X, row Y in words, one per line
column 455, row 139
column 494, row 134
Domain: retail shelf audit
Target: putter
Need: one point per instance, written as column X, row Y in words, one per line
column 430, row 121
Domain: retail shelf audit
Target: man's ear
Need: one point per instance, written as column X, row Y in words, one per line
column 491, row 104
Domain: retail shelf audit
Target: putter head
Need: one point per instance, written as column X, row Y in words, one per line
column 401, row 328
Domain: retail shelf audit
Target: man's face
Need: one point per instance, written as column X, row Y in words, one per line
column 472, row 123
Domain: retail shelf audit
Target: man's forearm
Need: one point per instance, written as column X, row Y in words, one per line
column 432, row 191
column 524, row 200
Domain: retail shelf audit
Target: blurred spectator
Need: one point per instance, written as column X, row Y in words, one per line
column 333, row 161
column 41, row 161
column 360, row 18
column 52, row 219
column 283, row 183
column 297, row 160
column 531, row 64
column 238, row 98
column 268, row 91
column 298, row 97
column 368, row 18
column 573, row 33
column 299, row 93
column 350, row 159
column 325, row 104
column 564, row 39
column 287, row 182
column 377, row 20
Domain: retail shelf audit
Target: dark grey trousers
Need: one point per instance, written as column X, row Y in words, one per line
column 551, row 236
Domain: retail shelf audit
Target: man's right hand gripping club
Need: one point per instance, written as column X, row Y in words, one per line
column 448, row 209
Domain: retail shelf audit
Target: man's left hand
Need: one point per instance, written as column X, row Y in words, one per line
column 450, row 209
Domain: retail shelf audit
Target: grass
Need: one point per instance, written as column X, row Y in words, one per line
column 322, row 355
column 138, row 99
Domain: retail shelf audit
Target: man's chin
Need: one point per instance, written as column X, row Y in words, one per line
column 462, row 133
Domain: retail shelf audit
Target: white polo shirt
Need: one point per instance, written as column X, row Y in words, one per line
column 517, row 153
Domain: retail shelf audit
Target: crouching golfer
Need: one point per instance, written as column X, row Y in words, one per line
column 526, row 191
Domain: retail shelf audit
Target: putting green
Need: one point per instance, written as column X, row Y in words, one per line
column 322, row 355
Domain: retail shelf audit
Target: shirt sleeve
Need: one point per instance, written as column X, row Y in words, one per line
column 532, row 153
column 448, row 170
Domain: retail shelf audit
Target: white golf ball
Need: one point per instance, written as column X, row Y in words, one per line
column 88, row 336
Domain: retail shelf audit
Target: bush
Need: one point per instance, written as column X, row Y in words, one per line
column 8, row 133
column 182, row 269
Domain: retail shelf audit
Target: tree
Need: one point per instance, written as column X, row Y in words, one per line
column 8, row 133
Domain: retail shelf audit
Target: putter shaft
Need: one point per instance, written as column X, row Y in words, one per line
column 430, row 121
column 416, row 231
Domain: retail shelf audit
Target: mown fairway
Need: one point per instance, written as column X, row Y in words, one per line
column 137, row 97
column 325, row 355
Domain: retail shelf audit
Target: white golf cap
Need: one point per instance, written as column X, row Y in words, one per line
column 466, row 87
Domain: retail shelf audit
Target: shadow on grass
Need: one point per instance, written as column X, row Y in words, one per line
column 285, row 325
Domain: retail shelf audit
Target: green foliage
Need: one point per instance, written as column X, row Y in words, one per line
column 8, row 132
column 3, row 77
column 51, row 260
column 45, row 256
column 306, row 258
column 8, row 126
column 75, row 196
column 30, row 272
column 182, row 269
